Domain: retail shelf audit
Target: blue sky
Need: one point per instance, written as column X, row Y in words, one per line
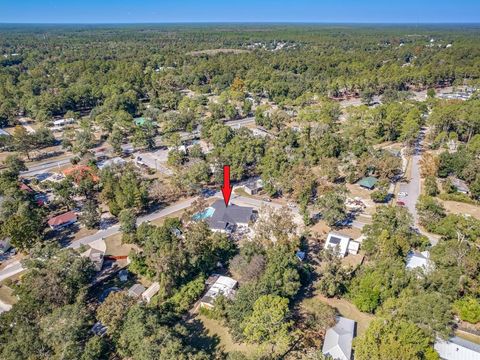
column 129, row 11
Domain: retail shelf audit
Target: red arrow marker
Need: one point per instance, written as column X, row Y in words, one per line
column 226, row 188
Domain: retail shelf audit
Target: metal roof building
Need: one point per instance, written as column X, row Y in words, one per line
column 338, row 339
column 417, row 259
column 150, row 292
column 457, row 349
column 368, row 182
column 136, row 290
column 223, row 285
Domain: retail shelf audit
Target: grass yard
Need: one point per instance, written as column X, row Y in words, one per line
column 6, row 295
column 320, row 229
column 461, row 208
column 350, row 311
column 225, row 342
column 115, row 246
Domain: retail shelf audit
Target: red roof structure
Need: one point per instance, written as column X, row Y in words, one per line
column 62, row 219
column 79, row 172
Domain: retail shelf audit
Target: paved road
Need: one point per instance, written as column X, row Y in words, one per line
column 50, row 165
column 46, row 166
column 413, row 188
column 11, row 270
column 241, row 122
column 16, row 267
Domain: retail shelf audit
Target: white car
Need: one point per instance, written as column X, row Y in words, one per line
column 402, row 194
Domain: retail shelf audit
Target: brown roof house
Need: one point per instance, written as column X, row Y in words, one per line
column 63, row 220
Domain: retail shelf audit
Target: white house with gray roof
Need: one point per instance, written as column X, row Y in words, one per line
column 338, row 339
column 227, row 218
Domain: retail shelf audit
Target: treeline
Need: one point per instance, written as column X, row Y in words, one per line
column 61, row 69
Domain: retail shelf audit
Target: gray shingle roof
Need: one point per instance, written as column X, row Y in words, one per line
column 231, row 215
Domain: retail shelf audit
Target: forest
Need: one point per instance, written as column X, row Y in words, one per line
column 325, row 106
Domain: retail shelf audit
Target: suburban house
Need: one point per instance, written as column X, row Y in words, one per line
column 96, row 253
column 221, row 285
column 338, row 339
column 460, row 185
column 116, row 161
column 457, row 349
column 416, row 259
column 368, row 182
column 136, row 290
column 63, row 122
column 342, row 244
column 227, row 218
column 151, row 292
column 253, row 187
column 59, row 124
column 62, row 221
column 4, row 133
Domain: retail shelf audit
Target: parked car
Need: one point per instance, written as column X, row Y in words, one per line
column 400, row 203
column 402, row 194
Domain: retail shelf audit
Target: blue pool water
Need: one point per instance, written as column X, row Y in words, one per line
column 208, row 212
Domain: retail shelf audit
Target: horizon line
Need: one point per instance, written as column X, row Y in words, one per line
column 250, row 22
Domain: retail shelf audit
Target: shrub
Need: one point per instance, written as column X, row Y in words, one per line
column 468, row 309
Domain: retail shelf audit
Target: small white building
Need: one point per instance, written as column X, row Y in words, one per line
column 338, row 339
column 457, row 349
column 151, row 292
column 253, row 187
column 223, row 285
column 416, row 259
column 342, row 244
column 116, row 161
column 63, row 122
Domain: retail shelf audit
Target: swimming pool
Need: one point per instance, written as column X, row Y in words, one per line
column 205, row 214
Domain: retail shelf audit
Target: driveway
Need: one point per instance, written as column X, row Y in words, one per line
column 413, row 188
